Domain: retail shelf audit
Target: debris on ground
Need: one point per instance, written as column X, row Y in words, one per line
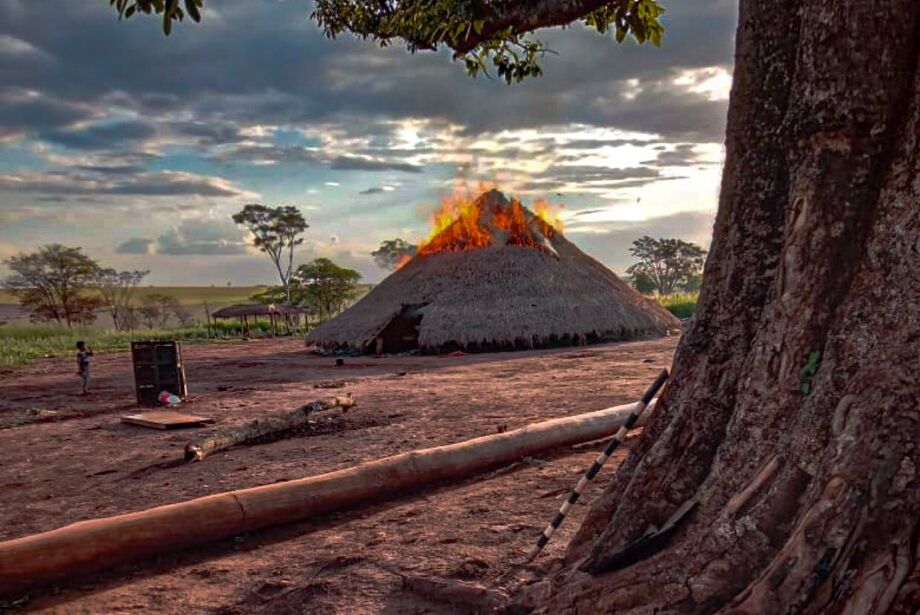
column 330, row 384
column 264, row 427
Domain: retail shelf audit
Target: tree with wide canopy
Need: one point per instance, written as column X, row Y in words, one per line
column 790, row 430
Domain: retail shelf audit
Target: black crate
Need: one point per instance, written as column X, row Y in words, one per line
column 158, row 367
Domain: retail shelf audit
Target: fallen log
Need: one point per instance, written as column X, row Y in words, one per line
column 96, row 544
column 262, row 427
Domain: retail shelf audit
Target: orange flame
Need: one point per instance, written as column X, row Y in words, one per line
column 549, row 213
column 468, row 220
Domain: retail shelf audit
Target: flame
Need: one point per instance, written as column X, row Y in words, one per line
column 469, row 220
column 549, row 213
column 405, row 258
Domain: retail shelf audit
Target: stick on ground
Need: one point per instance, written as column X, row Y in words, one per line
column 262, row 427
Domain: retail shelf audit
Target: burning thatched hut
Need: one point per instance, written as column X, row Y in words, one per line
column 497, row 277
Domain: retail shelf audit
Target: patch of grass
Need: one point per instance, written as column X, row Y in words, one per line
column 682, row 305
column 197, row 295
column 22, row 343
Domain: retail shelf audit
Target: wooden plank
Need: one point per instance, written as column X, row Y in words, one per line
column 165, row 419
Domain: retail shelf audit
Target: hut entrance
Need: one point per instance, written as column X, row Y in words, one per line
column 401, row 333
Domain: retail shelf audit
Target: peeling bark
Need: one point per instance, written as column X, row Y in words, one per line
column 816, row 248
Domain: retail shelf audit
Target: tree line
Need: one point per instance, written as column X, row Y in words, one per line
column 63, row 285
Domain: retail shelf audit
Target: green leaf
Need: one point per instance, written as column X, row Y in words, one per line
column 191, row 6
column 807, row 373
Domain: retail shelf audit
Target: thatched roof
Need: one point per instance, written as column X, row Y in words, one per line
column 255, row 309
column 501, row 296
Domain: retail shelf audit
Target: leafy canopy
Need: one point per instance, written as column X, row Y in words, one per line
column 169, row 9
column 276, row 231
column 483, row 34
column 669, row 264
column 393, row 252
column 51, row 282
column 326, row 286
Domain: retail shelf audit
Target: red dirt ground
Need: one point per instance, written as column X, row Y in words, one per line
column 87, row 464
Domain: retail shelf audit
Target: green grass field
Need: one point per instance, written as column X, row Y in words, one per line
column 21, row 341
column 186, row 295
column 681, row 305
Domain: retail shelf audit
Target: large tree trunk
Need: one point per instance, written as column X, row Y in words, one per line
column 808, row 502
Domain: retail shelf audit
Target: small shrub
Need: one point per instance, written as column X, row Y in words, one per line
column 682, row 305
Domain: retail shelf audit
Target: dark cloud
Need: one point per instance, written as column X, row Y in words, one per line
column 599, row 143
column 682, row 155
column 355, row 163
column 582, row 173
column 164, row 183
column 176, row 184
column 207, row 134
column 222, row 71
column 135, row 245
column 269, row 153
column 371, row 191
column 27, row 113
column 101, row 136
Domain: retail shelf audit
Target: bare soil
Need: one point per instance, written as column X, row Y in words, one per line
column 67, row 458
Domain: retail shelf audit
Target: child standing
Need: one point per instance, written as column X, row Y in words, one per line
column 83, row 359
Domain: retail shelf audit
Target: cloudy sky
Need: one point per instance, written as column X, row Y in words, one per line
column 138, row 147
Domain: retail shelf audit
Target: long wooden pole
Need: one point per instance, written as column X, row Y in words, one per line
column 101, row 543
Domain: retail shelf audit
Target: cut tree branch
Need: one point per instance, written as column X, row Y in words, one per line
column 263, row 427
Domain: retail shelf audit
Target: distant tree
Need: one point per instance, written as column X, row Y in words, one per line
column 327, row 287
column 667, row 262
column 117, row 289
column 182, row 314
column 156, row 309
column 643, row 283
column 393, row 252
column 52, row 283
column 277, row 231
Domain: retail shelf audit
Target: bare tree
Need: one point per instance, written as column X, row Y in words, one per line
column 156, row 309
column 118, row 289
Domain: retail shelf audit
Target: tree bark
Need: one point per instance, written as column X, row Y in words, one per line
column 808, row 488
